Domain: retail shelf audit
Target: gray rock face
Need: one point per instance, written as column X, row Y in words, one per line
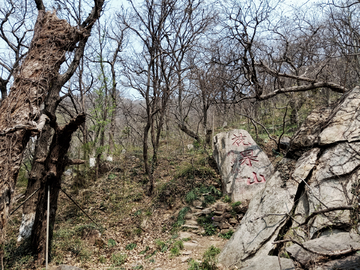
column 308, row 134
column 261, row 224
column 271, row 263
column 325, row 176
column 348, row 263
column 330, row 245
column 244, row 167
column 344, row 125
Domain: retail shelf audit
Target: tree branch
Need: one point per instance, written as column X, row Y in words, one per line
column 39, row 5
column 330, row 209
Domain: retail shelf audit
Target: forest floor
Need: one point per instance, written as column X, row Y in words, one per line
column 132, row 231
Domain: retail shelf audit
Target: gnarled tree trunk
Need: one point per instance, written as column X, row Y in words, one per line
column 55, row 164
column 21, row 109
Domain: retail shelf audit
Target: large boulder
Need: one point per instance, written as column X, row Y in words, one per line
column 315, row 205
column 335, row 245
column 243, row 166
column 261, row 224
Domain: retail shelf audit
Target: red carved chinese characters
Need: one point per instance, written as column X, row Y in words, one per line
column 239, row 140
column 247, row 156
column 255, row 179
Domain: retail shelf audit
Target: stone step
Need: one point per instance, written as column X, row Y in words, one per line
column 190, row 227
column 191, row 222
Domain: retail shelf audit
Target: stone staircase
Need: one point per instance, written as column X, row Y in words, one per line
column 225, row 217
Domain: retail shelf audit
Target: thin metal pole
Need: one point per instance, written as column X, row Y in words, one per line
column 47, row 228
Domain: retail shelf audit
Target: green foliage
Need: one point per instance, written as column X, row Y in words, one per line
column 194, row 170
column 179, row 244
column 226, row 235
column 181, row 217
column 118, row 259
column 145, row 250
column 137, row 231
column 175, row 251
column 207, row 223
column 235, row 204
column 161, row 245
column 209, row 193
column 196, row 144
column 102, row 259
column 22, row 179
column 150, row 255
column 191, row 196
column 209, row 260
column 18, row 258
column 194, row 265
column 226, row 199
column 130, row 246
column 111, row 243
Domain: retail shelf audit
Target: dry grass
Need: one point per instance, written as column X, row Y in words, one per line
column 126, row 217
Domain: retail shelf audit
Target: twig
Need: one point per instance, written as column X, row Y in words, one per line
column 271, row 138
column 81, row 208
column 279, row 261
column 338, row 253
column 345, row 207
column 24, row 201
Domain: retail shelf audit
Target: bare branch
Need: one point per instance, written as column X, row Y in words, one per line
column 39, row 5
column 330, row 209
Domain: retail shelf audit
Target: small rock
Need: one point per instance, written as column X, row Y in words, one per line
column 188, row 216
column 206, row 211
column 183, row 235
column 190, row 147
column 225, row 231
column 224, row 225
column 217, row 218
column 218, row 213
column 197, row 204
column 240, row 216
column 184, row 259
column 221, row 207
column 190, row 245
column 232, row 221
column 190, row 227
column 191, row 222
column 227, row 215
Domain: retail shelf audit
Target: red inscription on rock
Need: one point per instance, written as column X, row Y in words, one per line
column 239, row 140
column 255, row 179
column 247, row 156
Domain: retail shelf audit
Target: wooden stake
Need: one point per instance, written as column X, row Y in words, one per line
column 47, row 229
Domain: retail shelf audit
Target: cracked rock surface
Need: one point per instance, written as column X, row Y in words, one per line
column 326, row 176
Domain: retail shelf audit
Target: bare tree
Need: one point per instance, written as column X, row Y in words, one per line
column 32, row 101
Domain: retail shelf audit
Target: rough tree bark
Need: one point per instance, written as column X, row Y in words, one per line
column 55, row 164
column 19, row 111
column 50, row 160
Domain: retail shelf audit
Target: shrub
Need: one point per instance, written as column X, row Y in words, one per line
column 118, row 259
column 130, row 246
column 226, row 235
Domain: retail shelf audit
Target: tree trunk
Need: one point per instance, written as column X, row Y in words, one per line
column 34, row 182
column 55, row 164
column 19, row 111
